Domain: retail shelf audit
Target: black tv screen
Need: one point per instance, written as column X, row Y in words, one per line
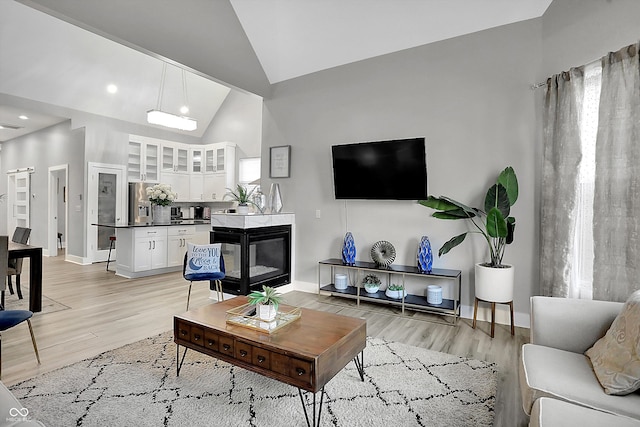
column 395, row 170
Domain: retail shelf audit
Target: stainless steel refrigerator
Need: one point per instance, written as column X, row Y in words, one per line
column 139, row 204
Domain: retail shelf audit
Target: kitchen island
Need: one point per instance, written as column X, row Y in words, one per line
column 148, row 249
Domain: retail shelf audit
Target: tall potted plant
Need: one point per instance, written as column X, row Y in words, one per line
column 494, row 280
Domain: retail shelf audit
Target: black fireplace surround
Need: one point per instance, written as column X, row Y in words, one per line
column 254, row 257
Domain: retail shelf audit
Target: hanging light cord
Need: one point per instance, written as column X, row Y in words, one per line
column 160, row 92
column 184, row 88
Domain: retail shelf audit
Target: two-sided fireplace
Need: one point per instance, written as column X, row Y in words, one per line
column 254, row 257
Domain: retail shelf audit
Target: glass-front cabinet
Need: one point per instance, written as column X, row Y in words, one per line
column 144, row 160
column 175, row 158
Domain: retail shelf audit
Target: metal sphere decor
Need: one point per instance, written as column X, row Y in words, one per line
column 383, row 253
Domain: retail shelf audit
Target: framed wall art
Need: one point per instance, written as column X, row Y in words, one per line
column 280, row 162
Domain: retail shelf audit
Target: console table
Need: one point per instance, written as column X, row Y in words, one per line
column 449, row 307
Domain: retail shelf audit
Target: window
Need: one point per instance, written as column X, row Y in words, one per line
column 582, row 280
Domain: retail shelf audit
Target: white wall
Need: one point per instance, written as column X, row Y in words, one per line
column 52, row 146
column 468, row 96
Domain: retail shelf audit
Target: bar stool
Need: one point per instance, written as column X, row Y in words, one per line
column 112, row 240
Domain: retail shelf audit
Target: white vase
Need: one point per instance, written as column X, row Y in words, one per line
column 161, row 214
column 266, row 312
column 494, row 284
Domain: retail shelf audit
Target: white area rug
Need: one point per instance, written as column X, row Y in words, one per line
column 136, row 385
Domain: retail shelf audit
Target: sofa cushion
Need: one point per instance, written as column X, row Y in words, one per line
column 616, row 356
column 568, row 376
column 557, row 413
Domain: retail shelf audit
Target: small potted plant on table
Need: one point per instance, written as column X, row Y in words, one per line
column 243, row 196
column 266, row 303
column 371, row 283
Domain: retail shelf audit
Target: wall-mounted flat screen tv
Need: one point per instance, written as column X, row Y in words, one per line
column 395, row 170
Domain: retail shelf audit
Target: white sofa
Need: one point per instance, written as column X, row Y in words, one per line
column 554, row 365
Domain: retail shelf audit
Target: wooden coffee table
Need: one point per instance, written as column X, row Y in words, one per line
column 306, row 353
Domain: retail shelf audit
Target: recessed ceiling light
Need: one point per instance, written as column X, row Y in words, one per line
column 23, row 117
column 184, row 109
column 112, row 88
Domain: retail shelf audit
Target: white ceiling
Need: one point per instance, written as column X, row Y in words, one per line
column 296, row 37
column 51, row 61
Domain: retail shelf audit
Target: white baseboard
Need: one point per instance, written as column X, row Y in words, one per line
column 77, row 260
column 466, row 312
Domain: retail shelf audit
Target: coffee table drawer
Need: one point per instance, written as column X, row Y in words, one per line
column 197, row 335
column 243, row 351
column 226, row 345
column 184, row 331
column 297, row 369
column 211, row 340
column 261, row 357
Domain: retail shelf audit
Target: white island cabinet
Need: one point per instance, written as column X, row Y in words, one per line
column 149, row 250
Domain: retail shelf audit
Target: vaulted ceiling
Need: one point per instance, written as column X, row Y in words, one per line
column 64, row 52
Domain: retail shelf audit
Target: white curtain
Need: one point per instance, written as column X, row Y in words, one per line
column 562, row 157
column 616, row 212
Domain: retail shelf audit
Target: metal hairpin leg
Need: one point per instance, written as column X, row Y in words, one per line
column 178, row 360
column 359, row 361
column 316, row 421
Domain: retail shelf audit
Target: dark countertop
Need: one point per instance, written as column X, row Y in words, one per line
column 173, row 222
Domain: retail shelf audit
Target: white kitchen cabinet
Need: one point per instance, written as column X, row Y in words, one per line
column 175, row 157
column 215, row 186
column 196, row 159
column 220, row 170
column 150, row 248
column 179, row 183
column 196, row 187
column 177, row 239
column 144, row 159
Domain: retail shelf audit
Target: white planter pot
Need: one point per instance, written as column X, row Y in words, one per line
column 266, row 312
column 395, row 294
column 243, row 209
column 371, row 288
column 494, row 284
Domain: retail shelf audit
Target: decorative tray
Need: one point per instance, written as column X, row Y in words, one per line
column 245, row 315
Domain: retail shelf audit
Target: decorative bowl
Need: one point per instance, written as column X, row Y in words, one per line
column 371, row 288
column 395, row 294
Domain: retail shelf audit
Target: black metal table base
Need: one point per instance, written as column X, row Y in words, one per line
column 315, row 421
column 359, row 362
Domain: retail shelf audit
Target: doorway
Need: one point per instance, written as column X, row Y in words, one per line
column 57, row 236
column 106, row 204
column 18, row 200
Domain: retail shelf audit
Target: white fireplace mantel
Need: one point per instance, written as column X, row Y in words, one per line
column 232, row 220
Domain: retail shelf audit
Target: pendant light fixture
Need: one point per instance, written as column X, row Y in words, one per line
column 174, row 121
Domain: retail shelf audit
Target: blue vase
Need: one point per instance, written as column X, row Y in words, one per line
column 349, row 250
column 425, row 256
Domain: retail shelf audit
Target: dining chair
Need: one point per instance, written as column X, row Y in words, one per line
column 204, row 262
column 20, row 235
column 11, row 318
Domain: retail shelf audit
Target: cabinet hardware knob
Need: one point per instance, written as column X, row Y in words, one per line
column 212, row 342
column 261, row 359
column 183, row 332
column 227, row 347
column 243, row 353
column 300, row 371
column 196, row 337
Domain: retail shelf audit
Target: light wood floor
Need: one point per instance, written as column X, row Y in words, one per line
column 106, row 312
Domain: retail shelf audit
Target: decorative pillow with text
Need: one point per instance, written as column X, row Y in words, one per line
column 616, row 356
column 203, row 262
